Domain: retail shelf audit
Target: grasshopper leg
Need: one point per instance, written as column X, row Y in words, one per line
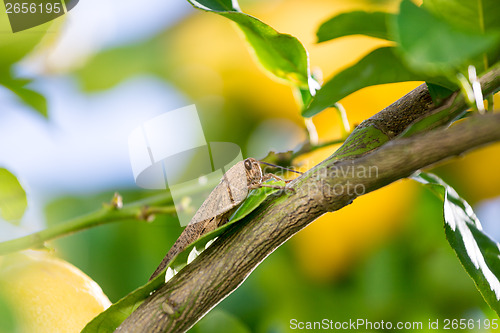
column 268, row 176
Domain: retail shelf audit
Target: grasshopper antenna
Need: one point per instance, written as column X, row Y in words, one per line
column 277, row 166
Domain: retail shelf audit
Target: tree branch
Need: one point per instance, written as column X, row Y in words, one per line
column 329, row 186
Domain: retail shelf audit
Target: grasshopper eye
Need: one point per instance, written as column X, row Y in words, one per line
column 248, row 165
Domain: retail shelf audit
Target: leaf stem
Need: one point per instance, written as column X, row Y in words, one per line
column 345, row 128
column 466, row 89
column 491, row 104
column 312, row 133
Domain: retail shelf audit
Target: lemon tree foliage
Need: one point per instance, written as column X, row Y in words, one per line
column 378, row 67
column 30, row 97
column 282, row 55
column 13, row 200
column 373, row 24
column 478, row 253
column 13, row 48
column 437, row 47
column 428, row 47
column 473, row 16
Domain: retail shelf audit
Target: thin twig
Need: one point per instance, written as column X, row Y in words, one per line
column 140, row 210
column 105, row 215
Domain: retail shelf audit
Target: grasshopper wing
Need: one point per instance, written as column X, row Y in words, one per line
column 229, row 193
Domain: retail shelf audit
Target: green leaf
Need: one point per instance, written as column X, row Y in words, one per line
column 479, row 16
column 216, row 5
column 29, row 97
column 110, row 67
column 255, row 199
column 281, row 55
column 434, row 46
column 303, row 96
column 13, row 200
column 379, row 67
column 479, row 254
column 438, row 93
column 110, row 319
column 14, row 46
column 373, row 24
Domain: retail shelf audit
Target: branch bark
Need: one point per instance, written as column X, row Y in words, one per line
column 220, row 269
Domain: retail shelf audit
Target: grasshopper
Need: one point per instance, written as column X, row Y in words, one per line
column 221, row 203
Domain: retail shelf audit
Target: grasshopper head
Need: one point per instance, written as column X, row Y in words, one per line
column 253, row 170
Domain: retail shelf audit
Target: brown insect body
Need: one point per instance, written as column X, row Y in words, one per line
column 216, row 209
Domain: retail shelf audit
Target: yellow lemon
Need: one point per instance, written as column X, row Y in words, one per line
column 47, row 294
